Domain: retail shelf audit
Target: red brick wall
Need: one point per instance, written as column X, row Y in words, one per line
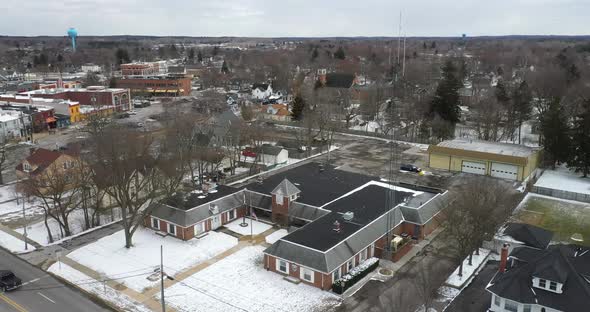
column 280, row 211
column 188, row 233
column 157, row 84
column 327, row 281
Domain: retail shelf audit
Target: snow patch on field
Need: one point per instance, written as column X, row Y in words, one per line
column 457, row 281
column 240, row 282
column 97, row 288
column 109, row 256
column 38, row 231
column 13, row 244
column 254, row 227
column 275, row 236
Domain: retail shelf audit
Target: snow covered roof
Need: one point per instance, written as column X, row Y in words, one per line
column 506, row 149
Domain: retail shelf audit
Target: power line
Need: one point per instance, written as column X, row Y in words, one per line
column 88, row 281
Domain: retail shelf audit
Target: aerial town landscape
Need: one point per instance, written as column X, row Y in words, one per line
column 242, row 166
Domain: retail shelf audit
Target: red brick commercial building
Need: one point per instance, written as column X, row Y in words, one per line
column 142, row 68
column 92, row 96
column 157, row 85
column 341, row 218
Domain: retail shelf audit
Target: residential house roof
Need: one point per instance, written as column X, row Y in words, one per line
column 530, row 235
column 566, row 264
column 270, row 150
column 339, row 80
column 260, row 86
column 43, row 158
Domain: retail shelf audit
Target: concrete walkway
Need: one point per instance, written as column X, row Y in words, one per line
column 18, row 235
column 393, row 266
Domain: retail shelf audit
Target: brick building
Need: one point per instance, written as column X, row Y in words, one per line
column 140, row 69
column 95, row 96
column 353, row 214
column 164, row 85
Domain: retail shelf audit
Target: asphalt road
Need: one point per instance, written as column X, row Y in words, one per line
column 42, row 292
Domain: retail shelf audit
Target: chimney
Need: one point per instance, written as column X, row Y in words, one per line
column 503, row 258
column 32, row 150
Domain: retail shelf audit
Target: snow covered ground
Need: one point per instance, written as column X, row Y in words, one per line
column 235, row 284
column 97, row 288
column 565, row 180
column 468, row 270
column 13, row 244
column 275, row 236
column 254, row 227
column 109, row 256
column 38, row 231
column 11, row 209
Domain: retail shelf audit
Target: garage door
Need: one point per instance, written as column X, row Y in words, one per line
column 473, row 167
column 504, row 171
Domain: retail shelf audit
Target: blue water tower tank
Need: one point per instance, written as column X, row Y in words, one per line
column 73, row 33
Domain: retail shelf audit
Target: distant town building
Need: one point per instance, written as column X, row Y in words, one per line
column 97, row 96
column 144, row 68
column 161, row 85
column 92, row 68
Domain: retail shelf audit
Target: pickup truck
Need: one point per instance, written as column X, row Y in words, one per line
column 9, row 281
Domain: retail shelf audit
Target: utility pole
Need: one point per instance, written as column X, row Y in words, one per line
column 162, row 278
column 25, row 222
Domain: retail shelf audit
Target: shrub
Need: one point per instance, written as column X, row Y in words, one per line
column 350, row 278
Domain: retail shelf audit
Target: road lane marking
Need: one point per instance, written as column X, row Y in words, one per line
column 12, row 303
column 42, row 295
column 34, row 280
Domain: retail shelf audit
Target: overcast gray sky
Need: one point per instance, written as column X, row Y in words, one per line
column 274, row 18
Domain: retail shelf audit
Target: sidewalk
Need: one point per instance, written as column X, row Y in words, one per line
column 393, row 266
column 19, row 236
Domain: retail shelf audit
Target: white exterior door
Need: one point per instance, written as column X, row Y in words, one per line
column 473, row 167
column 216, row 222
column 504, row 171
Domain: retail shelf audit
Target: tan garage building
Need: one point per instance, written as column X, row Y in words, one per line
column 502, row 160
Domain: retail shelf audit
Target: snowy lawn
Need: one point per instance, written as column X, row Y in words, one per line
column 565, row 180
column 457, row 281
column 121, row 301
column 38, row 231
column 11, row 209
column 13, row 244
column 240, row 283
column 275, row 236
column 256, row 226
column 109, row 256
column 563, row 217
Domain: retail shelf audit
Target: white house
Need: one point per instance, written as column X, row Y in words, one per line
column 12, row 125
column 93, row 68
column 261, row 91
column 273, row 155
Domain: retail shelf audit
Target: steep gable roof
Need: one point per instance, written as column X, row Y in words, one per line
column 286, row 188
column 339, row 80
column 529, row 234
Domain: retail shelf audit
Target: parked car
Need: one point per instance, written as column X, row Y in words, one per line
column 9, row 281
column 132, row 112
column 249, row 153
column 410, row 168
column 122, row 115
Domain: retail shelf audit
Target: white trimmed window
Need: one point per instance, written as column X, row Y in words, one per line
column 27, row 166
column 155, row 223
column 364, row 255
column 306, row 275
column 553, row 285
column 231, row 214
column 542, row 283
column 172, row 229
column 511, row 306
column 527, row 308
column 497, row 301
column 282, row 266
column 336, row 275
column 349, row 265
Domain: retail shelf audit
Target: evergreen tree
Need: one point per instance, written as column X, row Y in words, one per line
column 191, row 54
column 113, row 82
column 502, row 94
column 224, row 68
column 122, row 56
column 554, row 130
column 60, row 58
column 200, row 57
column 339, row 54
column 580, row 156
column 215, row 50
column 298, row 107
column 522, row 99
column 424, row 45
column 433, row 45
column 445, row 103
column 314, row 54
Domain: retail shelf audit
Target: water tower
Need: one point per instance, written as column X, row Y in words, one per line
column 73, row 34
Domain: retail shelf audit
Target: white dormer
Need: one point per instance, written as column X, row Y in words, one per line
column 547, row 285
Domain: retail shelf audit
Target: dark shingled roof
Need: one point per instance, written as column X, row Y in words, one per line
column 270, row 150
column 318, row 186
column 566, row 264
column 339, row 80
column 286, row 188
column 530, row 235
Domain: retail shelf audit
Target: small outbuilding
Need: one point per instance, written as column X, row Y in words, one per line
column 501, row 160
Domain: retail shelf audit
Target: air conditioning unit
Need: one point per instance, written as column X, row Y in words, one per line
column 349, row 215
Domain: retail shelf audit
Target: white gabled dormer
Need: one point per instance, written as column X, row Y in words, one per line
column 546, row 284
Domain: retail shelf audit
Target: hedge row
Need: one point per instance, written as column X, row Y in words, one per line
column 356, row 274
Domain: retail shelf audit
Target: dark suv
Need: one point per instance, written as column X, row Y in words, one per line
column 411, row 168
column 9, row 281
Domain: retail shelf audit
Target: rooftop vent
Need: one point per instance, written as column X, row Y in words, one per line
column 213, row 209
column 337, row 228
column 348, row 215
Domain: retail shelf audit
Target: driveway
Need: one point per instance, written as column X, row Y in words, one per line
column 475, row 298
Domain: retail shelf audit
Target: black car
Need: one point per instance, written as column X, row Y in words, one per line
column 9, row 281
column 410, row 168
